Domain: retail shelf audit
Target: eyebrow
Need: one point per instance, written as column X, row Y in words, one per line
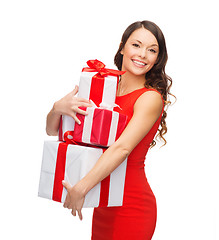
column 153, row 45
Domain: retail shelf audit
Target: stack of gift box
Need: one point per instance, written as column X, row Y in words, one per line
column 80, row 146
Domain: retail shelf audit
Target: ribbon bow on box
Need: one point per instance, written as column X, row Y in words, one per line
column 98, row 66
column 104, row 105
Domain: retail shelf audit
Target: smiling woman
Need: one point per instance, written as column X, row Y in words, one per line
column 142, row 95
column 155, row 77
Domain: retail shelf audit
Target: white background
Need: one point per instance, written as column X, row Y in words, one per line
column 43, row 46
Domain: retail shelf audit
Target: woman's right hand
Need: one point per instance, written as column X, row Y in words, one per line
column 69, row 105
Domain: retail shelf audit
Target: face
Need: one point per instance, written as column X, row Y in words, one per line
column 140, row 52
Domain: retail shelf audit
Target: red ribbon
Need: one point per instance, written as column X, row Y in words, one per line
column 59, row 172
column 104, row 190
column 98, row 66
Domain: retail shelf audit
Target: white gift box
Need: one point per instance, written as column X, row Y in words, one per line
column 107, row 89
column 98, row 83
column 78, row 161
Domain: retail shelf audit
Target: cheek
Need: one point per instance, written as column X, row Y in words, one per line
column 153, row 59
column 128, row 51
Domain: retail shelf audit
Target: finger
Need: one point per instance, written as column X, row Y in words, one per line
column 84, row 104
column 80, row 214
column 65, row 205
column 66, row 185
column 73, row 212
column 83, row 100
column 74, row 92
column 73, row 115
column 80, row 111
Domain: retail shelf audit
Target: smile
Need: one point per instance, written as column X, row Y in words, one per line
column 139, row 63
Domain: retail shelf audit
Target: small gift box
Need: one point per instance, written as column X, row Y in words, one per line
column 100, row 127
column 63, row 161
column 99, row 83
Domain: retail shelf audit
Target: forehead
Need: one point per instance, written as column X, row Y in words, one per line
column 144, row 36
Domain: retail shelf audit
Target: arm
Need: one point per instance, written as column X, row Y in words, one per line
column 68, row 105
column 147, row 110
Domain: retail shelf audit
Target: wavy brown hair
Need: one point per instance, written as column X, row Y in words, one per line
column 156, row 78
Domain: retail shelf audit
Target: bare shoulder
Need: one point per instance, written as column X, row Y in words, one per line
column 150, row 101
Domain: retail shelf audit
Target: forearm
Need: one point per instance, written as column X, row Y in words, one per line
column 52, row 122
column 106, row 164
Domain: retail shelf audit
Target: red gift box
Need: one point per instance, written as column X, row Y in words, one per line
column 100, row 127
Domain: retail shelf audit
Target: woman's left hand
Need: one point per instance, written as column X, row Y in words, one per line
column 74, row 199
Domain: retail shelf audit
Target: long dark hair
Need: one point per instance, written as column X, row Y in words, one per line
column 156, row 78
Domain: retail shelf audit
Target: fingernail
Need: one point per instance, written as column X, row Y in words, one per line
column 79, row 122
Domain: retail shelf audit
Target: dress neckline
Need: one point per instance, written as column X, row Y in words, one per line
column 131, row 92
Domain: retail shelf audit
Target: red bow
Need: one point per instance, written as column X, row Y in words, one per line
column 68, row 137
column 98, row 66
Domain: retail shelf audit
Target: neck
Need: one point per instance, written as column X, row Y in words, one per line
column 129, row 83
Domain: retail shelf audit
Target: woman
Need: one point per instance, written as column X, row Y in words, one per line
column 142, row 95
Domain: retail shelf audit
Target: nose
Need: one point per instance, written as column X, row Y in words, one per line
column 142, row 53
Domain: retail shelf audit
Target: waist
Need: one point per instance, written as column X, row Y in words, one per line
column 136, row 163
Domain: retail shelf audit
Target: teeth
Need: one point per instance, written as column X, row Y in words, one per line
column 140, row 63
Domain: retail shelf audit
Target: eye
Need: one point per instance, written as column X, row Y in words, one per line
column 135, row 45
column 152, row 50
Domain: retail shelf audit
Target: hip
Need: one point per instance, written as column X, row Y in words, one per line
column 137, row 190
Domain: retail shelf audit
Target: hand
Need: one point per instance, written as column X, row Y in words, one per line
column 69, row 105
column 74, row 199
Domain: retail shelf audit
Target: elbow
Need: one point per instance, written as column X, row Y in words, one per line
column 122, row 150
column 49, row 132
column 125, row 152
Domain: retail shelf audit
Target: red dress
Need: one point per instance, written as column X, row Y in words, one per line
column 136, row 219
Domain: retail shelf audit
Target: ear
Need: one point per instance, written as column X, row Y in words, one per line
column 120, row 46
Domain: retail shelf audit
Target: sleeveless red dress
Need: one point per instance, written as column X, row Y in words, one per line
column 136, row 219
